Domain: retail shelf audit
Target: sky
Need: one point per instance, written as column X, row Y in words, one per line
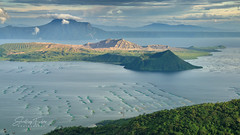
column 224, row 14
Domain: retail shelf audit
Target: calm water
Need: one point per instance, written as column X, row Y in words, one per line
column 42, row 96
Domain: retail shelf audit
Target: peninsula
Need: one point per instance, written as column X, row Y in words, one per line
column 156, row 58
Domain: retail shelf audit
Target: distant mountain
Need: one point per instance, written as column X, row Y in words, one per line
column 61, row 29
column 115, row 28
column 165, row 61
column 157, row 27
column 70, row 30
column 167, row 27
column 57, row 29
column 114, row 44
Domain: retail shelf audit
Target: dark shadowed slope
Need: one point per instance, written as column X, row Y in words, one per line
column 162, row 61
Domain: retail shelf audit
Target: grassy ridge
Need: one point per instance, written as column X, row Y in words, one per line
column 193, row 52
column 209, row 118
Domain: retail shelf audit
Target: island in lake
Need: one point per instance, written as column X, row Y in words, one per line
column 156, row 58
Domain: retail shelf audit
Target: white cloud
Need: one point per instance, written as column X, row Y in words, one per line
column 3, row 15
column 111, row 12
column 65, row 21
column 36, row 31
column 60, row 16
column 119, row 11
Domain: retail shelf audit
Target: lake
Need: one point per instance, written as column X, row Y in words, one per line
column 37, row 97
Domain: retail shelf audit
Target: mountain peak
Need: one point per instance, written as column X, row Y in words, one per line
column 113, row 43
column 169, row 27
column 69, row 29
column 63, row 21
column 160, row 54
column 165, row 61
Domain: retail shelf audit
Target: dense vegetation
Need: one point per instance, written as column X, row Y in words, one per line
column 209, row 118
column 2, row 52
column 113, row 58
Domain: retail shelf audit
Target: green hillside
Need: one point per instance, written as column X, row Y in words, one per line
column 165, row 61
column 20, row 47
column 209, row 118
column 113, row 58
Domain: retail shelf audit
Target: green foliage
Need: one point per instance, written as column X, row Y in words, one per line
column 22, row 47
column 2, row 52
column 209, row 118
column 112, row 58
column 191, row 54
column 47, row 56
column 114, row 122
column 194, row 52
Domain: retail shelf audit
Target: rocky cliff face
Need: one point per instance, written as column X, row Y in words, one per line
column 114, row 44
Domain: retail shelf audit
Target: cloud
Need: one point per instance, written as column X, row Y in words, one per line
column 60, row 16
column 112, row 12
column 36, row 31
column 126, row 12
column 65, row 21
column 3, row 15
column 223, row 6
column 116, row 2
column 112, row 2
column 86, row 2
column 119, row 11
column 219, row 1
